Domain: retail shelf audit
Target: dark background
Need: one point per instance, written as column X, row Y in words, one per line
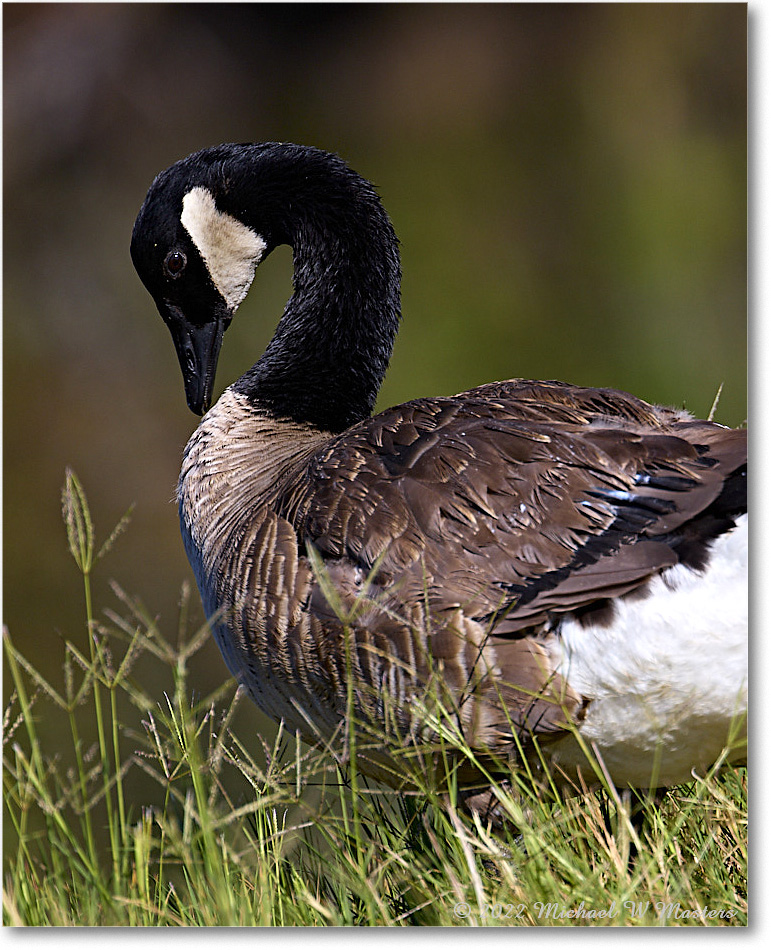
column 568, row 183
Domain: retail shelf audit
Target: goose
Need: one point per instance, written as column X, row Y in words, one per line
column 548, row 568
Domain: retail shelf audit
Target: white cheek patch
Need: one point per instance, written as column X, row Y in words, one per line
column 230, row 249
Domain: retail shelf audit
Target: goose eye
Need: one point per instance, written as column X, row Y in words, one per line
column 175, row 263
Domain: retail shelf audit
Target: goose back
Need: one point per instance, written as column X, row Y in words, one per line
column 456, row 535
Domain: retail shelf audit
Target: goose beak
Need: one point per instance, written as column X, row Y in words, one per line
column 198, row 349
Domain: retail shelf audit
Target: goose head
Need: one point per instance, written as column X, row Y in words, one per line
column 211, row 218
column 197, row 261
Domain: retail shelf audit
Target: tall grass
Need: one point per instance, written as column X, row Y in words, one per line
column 307, row 839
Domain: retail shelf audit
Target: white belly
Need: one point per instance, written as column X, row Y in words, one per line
column 667, row 679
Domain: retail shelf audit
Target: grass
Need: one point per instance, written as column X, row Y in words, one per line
column 237, row 833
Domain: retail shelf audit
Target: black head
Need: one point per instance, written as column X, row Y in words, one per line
column 209, row 220
column 196, row 260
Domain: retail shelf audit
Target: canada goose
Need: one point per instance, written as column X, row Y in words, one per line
column 560, row 559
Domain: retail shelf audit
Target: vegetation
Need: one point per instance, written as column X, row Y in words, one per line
column 286, row 835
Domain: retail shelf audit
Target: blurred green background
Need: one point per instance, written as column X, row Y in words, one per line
column 568, row 183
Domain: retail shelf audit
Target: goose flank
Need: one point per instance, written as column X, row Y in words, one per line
column 542, row 559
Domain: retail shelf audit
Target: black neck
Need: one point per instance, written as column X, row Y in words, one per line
column 327, row 359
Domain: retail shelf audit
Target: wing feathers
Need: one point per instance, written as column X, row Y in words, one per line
column 480, row 520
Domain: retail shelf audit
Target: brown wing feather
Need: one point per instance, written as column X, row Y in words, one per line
column 504, row 507
column 488, row 495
